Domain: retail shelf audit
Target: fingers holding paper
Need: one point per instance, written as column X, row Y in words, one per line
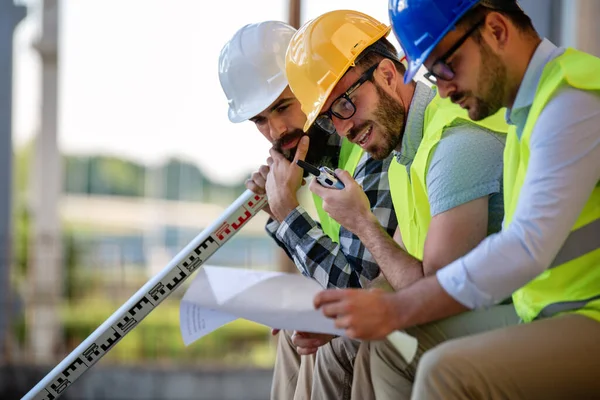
column 363, row 314
column 308, row 343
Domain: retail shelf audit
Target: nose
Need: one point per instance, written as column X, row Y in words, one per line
column 445, row 88
column 342, row 126
column 277, row 128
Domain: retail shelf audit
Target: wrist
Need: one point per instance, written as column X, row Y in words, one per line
column 396, row 311
column 267, row 210
column 283, row 209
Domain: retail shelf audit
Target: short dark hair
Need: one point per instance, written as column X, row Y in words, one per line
column 378, row 51
column 515, row 14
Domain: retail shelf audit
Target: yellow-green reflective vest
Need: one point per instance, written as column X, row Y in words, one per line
column 349, row 157
column 409, row 193
column 572, row 282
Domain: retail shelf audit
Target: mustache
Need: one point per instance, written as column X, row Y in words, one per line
column 354, row 132
column 287, row 138
column 320, row 152
column 457, row 97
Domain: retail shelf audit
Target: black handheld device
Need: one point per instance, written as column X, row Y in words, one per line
column 325, row 176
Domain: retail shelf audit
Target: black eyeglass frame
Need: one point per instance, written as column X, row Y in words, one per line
column 444, row 71
column 325, row 119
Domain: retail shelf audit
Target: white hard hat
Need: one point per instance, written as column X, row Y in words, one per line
column 252, row 68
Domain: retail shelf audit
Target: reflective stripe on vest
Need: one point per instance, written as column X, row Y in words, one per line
column 555, row 308
column 350, row 155
column 572, row 282
column 579, row 242
column 409, row 192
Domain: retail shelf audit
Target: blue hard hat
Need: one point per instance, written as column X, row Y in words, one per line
column 419, row 25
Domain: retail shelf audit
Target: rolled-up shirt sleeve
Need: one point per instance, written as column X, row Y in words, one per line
column 563, row 170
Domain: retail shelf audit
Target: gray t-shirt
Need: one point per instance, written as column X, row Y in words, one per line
column 466, row 165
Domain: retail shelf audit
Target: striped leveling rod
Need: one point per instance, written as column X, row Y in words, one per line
column 120, row 323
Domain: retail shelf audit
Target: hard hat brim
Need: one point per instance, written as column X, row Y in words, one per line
column 237, row 117
column 411, row 71
column 414, row 65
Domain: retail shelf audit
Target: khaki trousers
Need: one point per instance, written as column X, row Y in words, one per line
column 554, row 358
column 339, row 370
column 393, row 378
column 286, row 374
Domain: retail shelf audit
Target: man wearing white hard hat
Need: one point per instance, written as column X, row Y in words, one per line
column 252, row 75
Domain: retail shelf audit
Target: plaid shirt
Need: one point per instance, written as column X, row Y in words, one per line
column 347, row 264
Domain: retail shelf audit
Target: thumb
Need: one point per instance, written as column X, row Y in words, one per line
column 344, row 176
column 302, row 149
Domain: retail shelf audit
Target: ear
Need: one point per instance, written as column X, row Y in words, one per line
column 388, row 73
column 497, row 30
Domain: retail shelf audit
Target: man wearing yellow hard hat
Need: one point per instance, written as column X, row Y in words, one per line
column 252, row 75
column 484, row 55
column 446, row 179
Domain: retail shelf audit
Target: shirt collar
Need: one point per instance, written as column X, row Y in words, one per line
column 413, row 131
column 545, row 52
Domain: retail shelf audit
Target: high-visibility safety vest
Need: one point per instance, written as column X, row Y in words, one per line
column 349, row 157
column 572, row 281
column 409, row 193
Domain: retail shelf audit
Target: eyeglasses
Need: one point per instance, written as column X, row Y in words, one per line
column 440, row 68
column 343, row 107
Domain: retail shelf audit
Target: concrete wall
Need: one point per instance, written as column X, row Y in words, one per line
column 138, row 383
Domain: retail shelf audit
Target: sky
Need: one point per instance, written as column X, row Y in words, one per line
column 138, row 79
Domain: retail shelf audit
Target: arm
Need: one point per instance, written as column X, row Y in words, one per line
column 464, row 171
column 348, row 264
column 313, row 252
column 564, row 168
column 451, row 234
column 256, row 183
column 271, row 228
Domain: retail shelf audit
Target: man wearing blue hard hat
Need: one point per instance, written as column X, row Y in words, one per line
column 485, row 55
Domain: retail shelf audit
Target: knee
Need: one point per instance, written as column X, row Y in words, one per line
column 439, row 367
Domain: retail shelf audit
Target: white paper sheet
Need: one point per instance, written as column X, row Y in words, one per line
column 219, row 295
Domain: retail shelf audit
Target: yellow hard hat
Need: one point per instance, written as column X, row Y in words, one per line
column 321, row 52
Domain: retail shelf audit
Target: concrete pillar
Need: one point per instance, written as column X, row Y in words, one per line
column 46, row 272
column 10, row 15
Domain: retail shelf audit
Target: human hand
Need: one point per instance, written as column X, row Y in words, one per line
column 257, row 182
column 284, row 179
column 308, row 343
column 363, row 314
column 349, row 206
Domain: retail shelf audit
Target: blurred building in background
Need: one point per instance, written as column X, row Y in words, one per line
column 80, row 233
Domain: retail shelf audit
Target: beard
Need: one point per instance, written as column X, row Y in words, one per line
column 391, row 118
column 324, row 148
column 491, row 85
